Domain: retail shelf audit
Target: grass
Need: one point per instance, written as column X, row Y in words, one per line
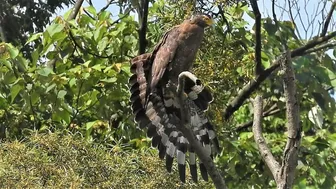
column 57, row 160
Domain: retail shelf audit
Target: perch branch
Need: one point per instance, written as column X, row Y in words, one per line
column 200, row 151
column 264, row 150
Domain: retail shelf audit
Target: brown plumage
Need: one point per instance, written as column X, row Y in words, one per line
column 154, row 103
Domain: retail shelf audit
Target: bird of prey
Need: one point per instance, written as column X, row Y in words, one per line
column 154, row 100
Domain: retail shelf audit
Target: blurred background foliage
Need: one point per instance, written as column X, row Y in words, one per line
column 72, row 76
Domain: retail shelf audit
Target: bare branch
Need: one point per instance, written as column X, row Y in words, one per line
column 248, row 89
column 286, row 175
column 143, row 14
column 327, row 20
column 200, row 151
column 264, row 150
column 255, row 8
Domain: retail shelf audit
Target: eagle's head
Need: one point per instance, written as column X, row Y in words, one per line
column 202, row 20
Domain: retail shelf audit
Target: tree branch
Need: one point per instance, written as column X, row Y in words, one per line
column 286, row 175
column 143, row 14
column 248, row 89
column 311, row 44
column 264, row 150
column 200, row 151
column 250, row 123
column 75, row 9
column 258, row 67
column 109, row 2
column 327, row 20
column 321, row 47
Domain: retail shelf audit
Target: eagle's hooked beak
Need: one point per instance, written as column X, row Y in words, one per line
column 208, row 21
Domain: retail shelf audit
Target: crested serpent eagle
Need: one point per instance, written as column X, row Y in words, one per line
column 154, row 100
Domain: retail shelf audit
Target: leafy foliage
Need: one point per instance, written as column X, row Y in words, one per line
column 63, row 160
column 76, row 80
column 20, row 18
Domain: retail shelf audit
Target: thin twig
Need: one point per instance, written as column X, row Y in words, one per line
column 292, row 18
column 264, row 150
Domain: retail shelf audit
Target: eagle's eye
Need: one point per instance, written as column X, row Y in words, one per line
column 207, row 20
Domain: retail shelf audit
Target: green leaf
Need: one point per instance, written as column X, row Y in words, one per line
column 72, row 82
column 45, row 71
column 270, row 27
column 35, row 97
column 89, row 125
column 97, row 67
column 15, row 90
column 92, row 10
column 61, row 115
column 109, row 80
column 9, row 78
column 3, row 103
column 98, row 34
column 51, row 87
column 104, row 15
column 13, row 52
column 61, row 94
column 102, row 44
column 6, row 63
column 34, row 37
column 54, row 28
